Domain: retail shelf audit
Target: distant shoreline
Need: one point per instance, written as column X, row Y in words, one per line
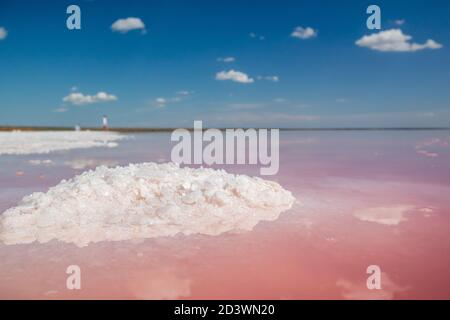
column 148, row 130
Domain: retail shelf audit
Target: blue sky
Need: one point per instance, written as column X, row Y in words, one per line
column 169, row 72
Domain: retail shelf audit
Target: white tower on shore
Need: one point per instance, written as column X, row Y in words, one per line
column 105, row 123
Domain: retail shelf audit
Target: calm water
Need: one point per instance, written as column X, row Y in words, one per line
column 363, row 198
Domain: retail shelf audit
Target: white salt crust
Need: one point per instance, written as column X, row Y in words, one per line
column 143, row 201
column 42, row 142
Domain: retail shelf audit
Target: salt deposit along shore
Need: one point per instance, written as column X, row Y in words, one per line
column 43, row 142
column 143, row 201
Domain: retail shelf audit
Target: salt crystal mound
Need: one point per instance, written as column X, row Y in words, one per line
column 143, row 201
column 42, row 142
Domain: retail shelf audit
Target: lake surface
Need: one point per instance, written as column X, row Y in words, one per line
column 363, row 198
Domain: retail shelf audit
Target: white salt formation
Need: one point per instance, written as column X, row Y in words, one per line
column 40, row 142
column 143, row 201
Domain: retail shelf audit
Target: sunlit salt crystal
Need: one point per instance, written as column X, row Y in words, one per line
column 192, row 197
column 219, row 198
column 143, row 201
column 186, row 185
column 43, row 142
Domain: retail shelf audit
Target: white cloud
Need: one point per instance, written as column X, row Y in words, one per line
column 185, row 92
column 233, row 75
column 426, row 114
column 61, row 110
column 226, row 59
column 161, row 102
column 3, row 33
column 296, row 115
column 254, row 35
column 128, row 24
column 251, row 116
column 269, row 78
column 394, row 40
column 246, row 106
column 280, row 100
column 400, row 22
column 275, row 103
column 78, row 98
column 304, row 33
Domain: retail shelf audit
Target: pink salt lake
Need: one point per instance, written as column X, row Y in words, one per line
column 363, row 198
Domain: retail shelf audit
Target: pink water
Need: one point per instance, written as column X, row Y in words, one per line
column 363, row 198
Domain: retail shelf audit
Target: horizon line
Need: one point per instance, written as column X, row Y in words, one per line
column 167, row 129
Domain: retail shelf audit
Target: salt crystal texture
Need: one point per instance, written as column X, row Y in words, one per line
column 41, row 142
column 143, row 201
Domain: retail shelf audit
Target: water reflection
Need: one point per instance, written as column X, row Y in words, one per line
column 362, row 199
